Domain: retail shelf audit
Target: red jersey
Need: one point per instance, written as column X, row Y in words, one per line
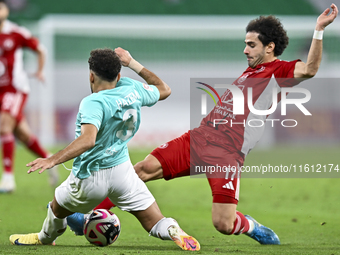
column 12, row 39
column 243, row 135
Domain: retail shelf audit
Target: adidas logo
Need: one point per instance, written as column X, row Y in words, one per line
column 228, row 185
column 103, row 228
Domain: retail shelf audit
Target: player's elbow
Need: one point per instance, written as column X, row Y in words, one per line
column 310, row 71
column 310, row 74
column 89, row 144
column 165, row 92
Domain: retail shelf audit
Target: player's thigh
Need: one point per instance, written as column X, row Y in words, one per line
column 7, row 123
column 22, row 131
column 127, row 191
column 149, row 169
column 224, row 176
column 82, row 195
column 12, row 110
column 174, row 157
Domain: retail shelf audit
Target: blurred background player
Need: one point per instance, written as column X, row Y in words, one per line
column 106, row 122
column 14, row 89
column 224, row 145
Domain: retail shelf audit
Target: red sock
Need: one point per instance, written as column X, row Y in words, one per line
column 241, row 224
column 34, row 146
column 8, row 145
column 106, row 204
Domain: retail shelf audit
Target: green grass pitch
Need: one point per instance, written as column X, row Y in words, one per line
column 303, row 212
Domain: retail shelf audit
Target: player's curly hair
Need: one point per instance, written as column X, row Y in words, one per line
column 105, row 63
column 270, row 30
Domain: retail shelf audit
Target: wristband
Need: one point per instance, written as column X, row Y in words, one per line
column 318, row 35
column 135, row 66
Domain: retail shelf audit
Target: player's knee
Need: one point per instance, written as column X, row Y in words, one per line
column 224, row 227
column 5, row 129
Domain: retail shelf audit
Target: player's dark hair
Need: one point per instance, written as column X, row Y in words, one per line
column 105, row 63
column 270, row 30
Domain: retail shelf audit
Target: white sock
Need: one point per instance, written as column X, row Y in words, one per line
column 52, row 227
column 7, row 177
column 251, row 226
column 160, row 229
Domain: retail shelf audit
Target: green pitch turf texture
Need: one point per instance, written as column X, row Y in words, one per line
column 303, row 212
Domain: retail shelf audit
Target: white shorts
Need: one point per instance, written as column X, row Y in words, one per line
column 120, row 183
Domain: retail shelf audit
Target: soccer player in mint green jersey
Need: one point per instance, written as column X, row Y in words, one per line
column 106, row 121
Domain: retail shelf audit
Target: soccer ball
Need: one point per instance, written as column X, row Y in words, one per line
column 102, row 227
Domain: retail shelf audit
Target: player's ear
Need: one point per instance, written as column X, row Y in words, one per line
column 118, row 77
column 91, row 77
column 270, row 47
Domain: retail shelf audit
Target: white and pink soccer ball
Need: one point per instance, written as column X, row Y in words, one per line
column 102, row 227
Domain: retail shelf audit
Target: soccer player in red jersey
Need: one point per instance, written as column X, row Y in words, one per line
column 14, row 89
column 265, row 41
column 223, row 145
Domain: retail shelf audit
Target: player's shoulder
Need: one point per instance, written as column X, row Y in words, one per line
column 126, row 81
column 94, row 97
column 11, row 27
column 284, row 62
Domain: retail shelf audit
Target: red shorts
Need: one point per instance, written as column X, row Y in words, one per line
column 196, row 152
column 13, row 103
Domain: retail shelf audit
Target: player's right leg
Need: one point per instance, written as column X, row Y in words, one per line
column 158, row 226
column 139, row 201
column 170, row 160
column 7, row 124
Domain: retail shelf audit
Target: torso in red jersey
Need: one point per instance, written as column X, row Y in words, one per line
column 260, row 79
column 12, row 39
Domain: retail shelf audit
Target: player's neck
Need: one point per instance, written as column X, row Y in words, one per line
column 267, row 60
column 104, row 86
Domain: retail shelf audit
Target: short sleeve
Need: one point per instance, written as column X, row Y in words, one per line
column 91, row 112
column 26, row 38
column 31, row 43
column 149, row 93
column 285, row 73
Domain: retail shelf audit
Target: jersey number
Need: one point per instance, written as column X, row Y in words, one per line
column 129, row 118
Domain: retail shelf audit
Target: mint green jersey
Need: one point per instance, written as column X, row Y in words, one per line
column 116, row 115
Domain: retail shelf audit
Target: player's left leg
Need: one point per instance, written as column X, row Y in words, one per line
column 139, row 201
column 228, row 221
column 72, row 195
column 23, row 132
column 225, row 187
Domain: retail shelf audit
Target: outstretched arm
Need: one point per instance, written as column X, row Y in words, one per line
column 148, row 76
column 41, row 55
column 310, row 68
column 84, row 142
